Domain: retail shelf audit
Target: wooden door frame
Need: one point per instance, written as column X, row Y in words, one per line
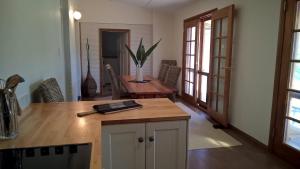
column 277, row 77
column 195, row 18
column 101, row 69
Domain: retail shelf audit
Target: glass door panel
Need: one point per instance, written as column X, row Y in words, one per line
column 295, row 76
column 189, row 60
column 292, row 134
column 222, row 30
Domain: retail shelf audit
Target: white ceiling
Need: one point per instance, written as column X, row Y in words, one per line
column 169, row 5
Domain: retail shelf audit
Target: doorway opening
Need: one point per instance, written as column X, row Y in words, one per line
column 113, row 52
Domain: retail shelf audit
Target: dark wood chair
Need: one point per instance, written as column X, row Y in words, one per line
column 164, row 66
column 118, row 91
column 50, row 91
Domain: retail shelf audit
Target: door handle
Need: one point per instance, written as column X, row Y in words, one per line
column 151, row 138
column 141, row 139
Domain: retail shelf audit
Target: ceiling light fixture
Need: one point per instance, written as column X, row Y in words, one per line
column 77, row 15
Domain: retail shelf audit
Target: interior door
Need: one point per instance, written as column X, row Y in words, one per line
column 123, row 146
column 166, row 145
column 189, row 60
column 220, row 64
column 287, row 124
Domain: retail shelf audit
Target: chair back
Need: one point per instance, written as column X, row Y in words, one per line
column 172, row 76
column 169, row 62
column 114, row 82
column 50, row 91
column 162, row 72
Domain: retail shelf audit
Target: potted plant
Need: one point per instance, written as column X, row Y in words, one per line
column 140, row 58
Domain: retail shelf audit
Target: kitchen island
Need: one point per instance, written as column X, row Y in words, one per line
column 54, row 124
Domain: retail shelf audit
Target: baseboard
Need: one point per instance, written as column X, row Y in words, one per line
column 248, row 137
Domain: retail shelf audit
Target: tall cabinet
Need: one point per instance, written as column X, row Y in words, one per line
column 153, row 145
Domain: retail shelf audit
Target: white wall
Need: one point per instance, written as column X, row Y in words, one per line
column 31, row 43
column 108, row 11
column 163, row 28
column 255, row 45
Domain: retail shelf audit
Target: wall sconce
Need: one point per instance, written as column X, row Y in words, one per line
column 77, row 15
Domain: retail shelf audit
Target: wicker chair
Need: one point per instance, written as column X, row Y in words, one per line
column 118, row 91
column 172, row 76
column 50, row 91
column 164, row 66
column 171, row 80
column 169, row 62
column 162, row 72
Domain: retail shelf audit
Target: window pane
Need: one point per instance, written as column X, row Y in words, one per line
column 191, row 75
column 187, row 75
column 187, row 84
column 187, row 61
column 296, row 46
column 215, row 84
column 216, row 68
column 206, row 46
column 224, row 26
column 191, row 89
column 216, row 47
column 221, row 86
column 188, row 48
column 295, row 76
column 220, row 104
column 188, row 34
column 223, row 47
column 292, row 134
column 192, row 63
column 217, row 28
column 193, row 33
column 297, row 24
column 193, row 48
column 203, row 88
column 222, row 67
column 293, row 106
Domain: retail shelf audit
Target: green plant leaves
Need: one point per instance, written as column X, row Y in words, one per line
column 141, row 54
column 132, row 55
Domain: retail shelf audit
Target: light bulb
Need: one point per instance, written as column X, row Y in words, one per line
column 76, row 15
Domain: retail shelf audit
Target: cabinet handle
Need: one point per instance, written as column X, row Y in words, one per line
column 151, row 138
column 141, row 139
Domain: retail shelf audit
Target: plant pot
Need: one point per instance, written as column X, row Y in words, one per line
column 139, row 74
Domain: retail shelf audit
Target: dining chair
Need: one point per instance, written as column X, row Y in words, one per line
column 162, row 72
column 171, row 79
column 118, row 91
column 50, row 91
column 169, row 62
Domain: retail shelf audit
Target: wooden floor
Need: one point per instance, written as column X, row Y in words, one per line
column 248, row 156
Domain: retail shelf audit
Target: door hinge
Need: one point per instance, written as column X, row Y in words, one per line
column 284, row 6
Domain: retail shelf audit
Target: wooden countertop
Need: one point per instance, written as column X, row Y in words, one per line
column 51, row 124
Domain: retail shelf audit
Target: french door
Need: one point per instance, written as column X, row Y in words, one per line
column 220, row 65
column 207, row 62
column 189, row 60
column 286, row 138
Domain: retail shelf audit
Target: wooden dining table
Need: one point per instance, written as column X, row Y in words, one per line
column 151, row 88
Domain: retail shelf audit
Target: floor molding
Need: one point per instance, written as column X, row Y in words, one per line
column 248, row 137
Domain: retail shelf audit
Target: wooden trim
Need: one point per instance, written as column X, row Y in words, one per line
column 277, row 77
column 248, row 137
column 199, row 16
column 128, row 32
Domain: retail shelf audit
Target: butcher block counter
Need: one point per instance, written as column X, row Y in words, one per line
column 53, row 124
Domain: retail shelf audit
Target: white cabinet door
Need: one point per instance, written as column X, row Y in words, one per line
column 166, row 145
column 123, row 146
